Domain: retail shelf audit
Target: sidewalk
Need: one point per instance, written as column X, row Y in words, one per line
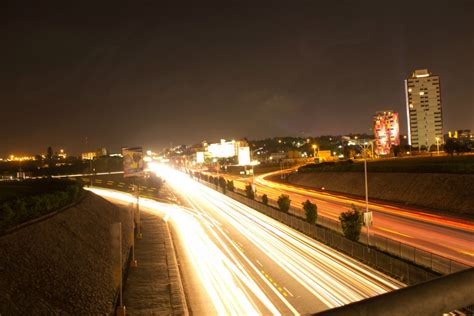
column 154, row 287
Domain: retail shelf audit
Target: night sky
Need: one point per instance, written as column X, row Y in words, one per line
column 151, row 74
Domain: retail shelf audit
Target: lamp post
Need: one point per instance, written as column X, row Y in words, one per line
column 253, row 171
column 314, row 150
column 437, row 145
column 367, row 213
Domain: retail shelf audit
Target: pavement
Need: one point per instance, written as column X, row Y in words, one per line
column 154, row 286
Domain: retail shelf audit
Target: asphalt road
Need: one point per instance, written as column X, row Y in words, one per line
column 249, row 263
column 447, row 237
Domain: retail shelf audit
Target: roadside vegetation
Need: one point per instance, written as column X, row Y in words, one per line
column 311, row 211
column 351, row 223
column 249, row 192
column 21, row 201
column 445, row 164
column 284, row 203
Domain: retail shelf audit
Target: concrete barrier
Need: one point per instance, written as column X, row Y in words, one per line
column 435, row 297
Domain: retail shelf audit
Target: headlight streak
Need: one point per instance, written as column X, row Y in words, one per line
column 330, row 276
column 230, row 288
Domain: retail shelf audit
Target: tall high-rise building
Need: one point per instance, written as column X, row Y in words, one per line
column 386, row 131
column 425, row 123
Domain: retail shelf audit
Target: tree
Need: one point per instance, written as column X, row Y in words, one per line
column 451, row 146
column 265, row 199
column 311, row 211
column 249, row 191
column 284, row 203
column 222, row 184
column 351, row 223
column 49, row 155
column 230, row 185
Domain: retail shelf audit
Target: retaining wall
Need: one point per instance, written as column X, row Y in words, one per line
column 63, row 264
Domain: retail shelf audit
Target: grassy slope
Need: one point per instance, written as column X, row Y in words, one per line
column 456, row 164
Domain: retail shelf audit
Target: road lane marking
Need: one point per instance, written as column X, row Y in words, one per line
column 288, row 291
column 394, row 232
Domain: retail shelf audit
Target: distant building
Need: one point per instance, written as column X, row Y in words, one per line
column 461, row 134
column 94, row 154
column 62, row 154
column 423, row 102
column 386, row 131
column 225, row 149
column 89, row 155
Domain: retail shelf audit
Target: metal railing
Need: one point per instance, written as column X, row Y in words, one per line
column 396, row 248
column 409, row 264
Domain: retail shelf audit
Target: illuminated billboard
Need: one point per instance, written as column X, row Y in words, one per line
column 223, row 149
column 200, row 157
column 133, row 164
column 386, row 131
column 244, row 156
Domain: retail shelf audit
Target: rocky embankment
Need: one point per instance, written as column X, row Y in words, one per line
column 446, row 192
column 62, row 265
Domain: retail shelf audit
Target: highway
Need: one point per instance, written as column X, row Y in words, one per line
column 250, row 264
column 447, row 237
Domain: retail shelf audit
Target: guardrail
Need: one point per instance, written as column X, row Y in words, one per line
column 396, row 248
column 409, row 270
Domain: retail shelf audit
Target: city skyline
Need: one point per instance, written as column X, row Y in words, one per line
column 153, row 76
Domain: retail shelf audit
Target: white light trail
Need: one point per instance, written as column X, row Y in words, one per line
column 333, row 278
column 230, row 287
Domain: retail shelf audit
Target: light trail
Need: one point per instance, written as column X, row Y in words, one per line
column 449, row 238
column 321, row 277
column 231, row 289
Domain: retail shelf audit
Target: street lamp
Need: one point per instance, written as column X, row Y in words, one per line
column 314, row 150
column 367, row 213
column 437, row 145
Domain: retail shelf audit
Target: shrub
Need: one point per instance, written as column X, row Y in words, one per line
column 52, row 195
column 249, row 191
column 222, row 184
column 284, row 203
column 311, row 211
column 230, row 185
column 351, row 223
column 265, row 199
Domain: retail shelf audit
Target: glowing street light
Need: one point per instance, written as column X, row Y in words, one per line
column 314, row 150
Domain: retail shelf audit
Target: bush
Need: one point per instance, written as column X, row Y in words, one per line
column 284, row 203
column 249, row 191
column 222, row 184
column 27, row 207
column 230, row 185
column 265, row 199
column 351, row 223
column 311, row 211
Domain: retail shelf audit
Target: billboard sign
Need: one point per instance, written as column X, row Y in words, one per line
column 200, row 157
column 244, row 156
column 133, row 164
